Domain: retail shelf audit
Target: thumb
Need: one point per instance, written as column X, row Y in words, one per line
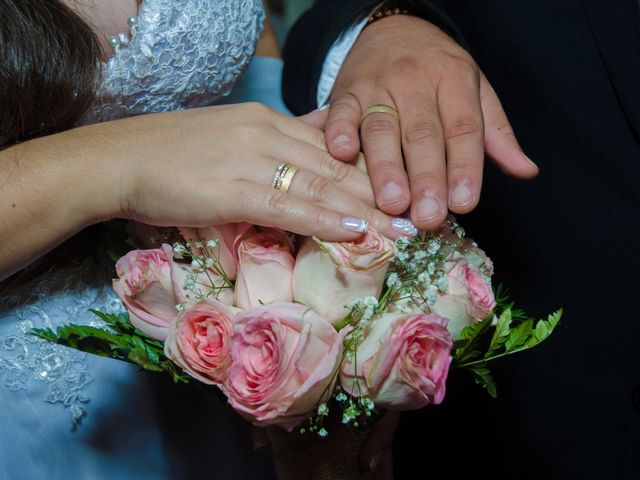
column 500, row 141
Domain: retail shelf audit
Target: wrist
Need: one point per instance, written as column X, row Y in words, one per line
column 90, row 174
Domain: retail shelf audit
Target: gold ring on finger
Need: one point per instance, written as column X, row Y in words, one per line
column 380, row 109
column 284, row 176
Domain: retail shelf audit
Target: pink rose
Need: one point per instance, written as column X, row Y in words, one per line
column 224, row 254
column 146, row 289
column 469, row 297
column 330, row 276
column 199, row 340
column 402, row 362
column 284, row 359
column 265, row 268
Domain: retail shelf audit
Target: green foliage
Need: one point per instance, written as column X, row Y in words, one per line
column 119, row 340
column 510, row 331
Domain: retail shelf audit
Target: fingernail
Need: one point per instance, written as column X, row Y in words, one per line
column 429, row 208
column 375, row 461
column 324, row 107
column 354, row 224
column 390, row 193
column 461, row 196
column 341, row 140
column 404, row 226
column 529, row 160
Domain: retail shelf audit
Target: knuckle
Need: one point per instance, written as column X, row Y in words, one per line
column 462, row 127
column 319, row 188
column 344, row 107
column 276, row 202
column 425, row 178
column 379, row 124
column 459, row 67
column 421, row 131
column 337, row 171
column 318, row 218
column 462, row 164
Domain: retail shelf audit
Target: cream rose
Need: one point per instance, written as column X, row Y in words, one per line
column 265, row 268
column 330, row 276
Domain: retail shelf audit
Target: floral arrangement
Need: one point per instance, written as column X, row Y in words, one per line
column 288, row 327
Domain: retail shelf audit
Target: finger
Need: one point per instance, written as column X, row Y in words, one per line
column 423, row 146
column 316, row 118
column 382, row 149
column 500, row 141
column 378, row 442
column 345, row 176
column 461, row 116
column 342, row 127
column 266, row 206
column 320, row 191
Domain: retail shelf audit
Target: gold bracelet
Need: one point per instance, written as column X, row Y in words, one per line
column 386, row 11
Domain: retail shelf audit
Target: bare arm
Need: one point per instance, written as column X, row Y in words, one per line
column 48, row 194
column 197, row 167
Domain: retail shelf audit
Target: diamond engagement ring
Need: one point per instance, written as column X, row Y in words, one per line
column 284, row 176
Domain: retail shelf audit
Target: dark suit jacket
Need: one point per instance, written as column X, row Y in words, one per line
column 568, row 74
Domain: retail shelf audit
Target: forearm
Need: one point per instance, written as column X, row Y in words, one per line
column 51, row 188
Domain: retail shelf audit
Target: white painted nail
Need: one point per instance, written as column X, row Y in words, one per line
column 354, row 224
column 404, row 226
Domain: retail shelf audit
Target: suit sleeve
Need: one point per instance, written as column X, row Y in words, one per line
column 315, row 32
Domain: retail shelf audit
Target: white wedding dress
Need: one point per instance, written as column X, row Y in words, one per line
column 67, row 415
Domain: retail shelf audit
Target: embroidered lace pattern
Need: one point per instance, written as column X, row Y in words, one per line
column 182, row 54
column 25, row 359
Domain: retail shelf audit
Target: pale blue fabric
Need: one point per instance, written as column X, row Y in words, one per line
column 132, row 424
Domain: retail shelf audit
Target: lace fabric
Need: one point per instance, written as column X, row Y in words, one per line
column 25, row 359
column 181, row 55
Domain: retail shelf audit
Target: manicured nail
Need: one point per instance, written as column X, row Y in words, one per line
column 429, row 209
column 390, row 193
column 354, row 224
column 461, row 196
column 375, row 461
column 404, row 226
column 341, row 140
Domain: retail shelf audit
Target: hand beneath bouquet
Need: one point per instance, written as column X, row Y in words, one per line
column 216, row 165
column 449, row 114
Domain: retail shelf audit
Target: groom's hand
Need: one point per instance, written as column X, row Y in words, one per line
column 448, row 115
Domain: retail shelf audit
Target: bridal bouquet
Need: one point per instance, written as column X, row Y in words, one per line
column 288, row 327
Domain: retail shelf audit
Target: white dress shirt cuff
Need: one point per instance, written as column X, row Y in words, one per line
column 336, row 56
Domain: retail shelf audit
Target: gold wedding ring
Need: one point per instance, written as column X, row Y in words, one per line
column 284, row 176
column 380, row 109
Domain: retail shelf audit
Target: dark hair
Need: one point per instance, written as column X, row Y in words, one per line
column 49, row 63
column 49, row 66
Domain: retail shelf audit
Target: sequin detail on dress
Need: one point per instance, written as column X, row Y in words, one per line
column 182, row 54
column 25, row 359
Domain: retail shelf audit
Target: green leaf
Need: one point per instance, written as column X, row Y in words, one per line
column 500, row 334
column 473, row 335
column 519, row 336
column 483, row 377
column 544, row 329
column 119, row 340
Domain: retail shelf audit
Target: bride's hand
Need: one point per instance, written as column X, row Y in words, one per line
column 215, row 165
